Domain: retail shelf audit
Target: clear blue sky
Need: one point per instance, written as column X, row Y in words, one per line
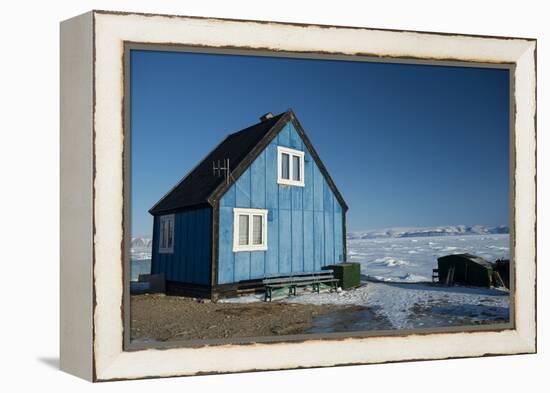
column 407, row 145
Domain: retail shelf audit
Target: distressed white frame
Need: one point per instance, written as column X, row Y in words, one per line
column 163, row 220
column 236, row 230
column 91, row 312
column 292, row 153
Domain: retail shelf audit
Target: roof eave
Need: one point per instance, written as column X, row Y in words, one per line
column 152, row 209
column 195, row 206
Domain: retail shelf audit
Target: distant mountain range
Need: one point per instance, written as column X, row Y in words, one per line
column 453, row 230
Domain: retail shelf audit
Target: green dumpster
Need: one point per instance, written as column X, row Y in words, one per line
column 348, row 274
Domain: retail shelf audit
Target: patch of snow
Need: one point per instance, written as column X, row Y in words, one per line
column 400, row 303
column 245, row 299
column 390, row 262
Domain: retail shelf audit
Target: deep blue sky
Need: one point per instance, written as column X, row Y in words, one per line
column 407, row 145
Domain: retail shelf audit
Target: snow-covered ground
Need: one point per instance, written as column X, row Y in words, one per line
column 408, row 305
column 396, row 272
column 396, row 268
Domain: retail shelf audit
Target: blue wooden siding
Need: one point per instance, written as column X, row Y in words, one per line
column 304, row 226
column 190, row 261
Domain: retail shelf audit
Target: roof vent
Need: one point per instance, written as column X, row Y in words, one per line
column 267, row 116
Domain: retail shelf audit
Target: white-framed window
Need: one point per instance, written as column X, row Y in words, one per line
column 166, row 234
column 249, row 229
column 290, row 166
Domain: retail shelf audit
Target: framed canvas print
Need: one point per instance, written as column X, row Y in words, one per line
column 247, row 195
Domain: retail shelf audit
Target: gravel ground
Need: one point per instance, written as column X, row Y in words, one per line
column 172, row 318
column 373, row 306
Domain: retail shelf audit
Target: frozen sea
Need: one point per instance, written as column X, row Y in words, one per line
column 411, row 259
column 140, row 258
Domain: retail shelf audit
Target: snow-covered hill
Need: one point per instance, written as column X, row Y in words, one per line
column 454, row 230
column 141, row 242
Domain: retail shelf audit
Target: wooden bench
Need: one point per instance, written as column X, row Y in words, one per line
column 293, row 281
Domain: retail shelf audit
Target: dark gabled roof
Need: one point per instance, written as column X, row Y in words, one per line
column 473, row 258
column 201, row 187
column 200, row 182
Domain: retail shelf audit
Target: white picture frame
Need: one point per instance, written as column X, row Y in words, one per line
column 93, row 192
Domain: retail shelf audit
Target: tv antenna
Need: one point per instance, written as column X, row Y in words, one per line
column 221, row 168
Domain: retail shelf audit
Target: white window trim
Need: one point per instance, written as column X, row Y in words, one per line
column 291, row 152
column 166, row 250
column 250, row 212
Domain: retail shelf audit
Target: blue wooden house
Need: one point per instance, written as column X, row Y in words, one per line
column 276, row 211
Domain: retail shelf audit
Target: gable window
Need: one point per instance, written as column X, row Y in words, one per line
column 290, row 165
column 166, row 234
column 249, row 230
